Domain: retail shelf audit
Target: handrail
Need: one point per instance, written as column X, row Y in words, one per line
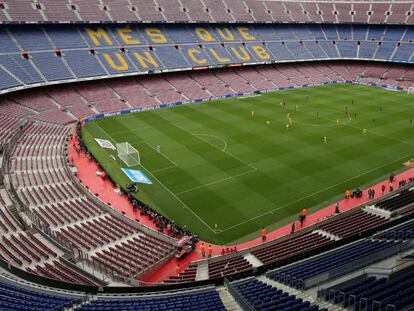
column 245, row 305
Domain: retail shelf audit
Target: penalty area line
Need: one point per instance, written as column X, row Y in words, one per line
column 164, row 168
column 163, row 155
column 216, row 182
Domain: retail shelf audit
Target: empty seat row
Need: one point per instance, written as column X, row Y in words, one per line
column 206, row 11
column 204, row 300
column 265, row 297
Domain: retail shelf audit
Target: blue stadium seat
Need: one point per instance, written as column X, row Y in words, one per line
column 296, row 274
column 345, row 32
column 83, row 63
column 298, row 50
column 403, row 231
column 262, row 296
column 367, row 49
column 359, row 32
column 376, row 294
column 404, row 52
column 16, row 298
column 206, row 300
column 64, row 36
column 329, row 49
column 385, row 50
column 280, row 51
column 51, row 66
column 6, row 43
column 347, row 49
column 375, row 32
column 121, row 49
column 315, row 49
column 7, row 81
column 21, row 68
column 31, row 38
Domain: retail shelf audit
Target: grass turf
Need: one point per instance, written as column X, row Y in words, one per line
column 219, row 165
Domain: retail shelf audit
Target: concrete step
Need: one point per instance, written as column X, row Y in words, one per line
column 287, row 289
column 327, row 234
column 253, row 260
column 202, row 271
column 329, row 306
column 88, row 300
column 5, row 196
column 302, row 295
column 229, row 302
column 372, row 209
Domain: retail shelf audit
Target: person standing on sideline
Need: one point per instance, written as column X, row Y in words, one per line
column 209, row 250
column 203, row 249
column 347, row 194
column 302, row 217
column 293, row 228
column 264, row 233
column 383, row 188
column 337, row 208
column 304, row 214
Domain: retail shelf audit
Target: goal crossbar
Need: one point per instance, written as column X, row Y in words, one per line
column 128, row 154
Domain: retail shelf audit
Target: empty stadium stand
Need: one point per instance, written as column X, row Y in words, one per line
column 56, row 58
column 42, row 183
column 21, row 297
column 91, row 51
column 376, row 293
column 207, row 11
column 335, row 263
column 397, row 201
column 63, row 105
column 261, row 296
column 203, row 299
column 279, row 250
column 403, row 231
column 356, row 222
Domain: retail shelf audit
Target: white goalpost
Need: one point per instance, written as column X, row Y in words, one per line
column 128, row 154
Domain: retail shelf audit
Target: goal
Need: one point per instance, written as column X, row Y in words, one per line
column 128, row 154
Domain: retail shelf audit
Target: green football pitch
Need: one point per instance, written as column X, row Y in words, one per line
column 221, row 165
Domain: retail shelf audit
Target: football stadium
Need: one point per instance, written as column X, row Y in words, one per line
column 207, row 155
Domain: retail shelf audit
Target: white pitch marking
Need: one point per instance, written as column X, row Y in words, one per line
column 164, row 168
column 179, row 200
column 311, row 195
column 166, row 188
column 229, row 154
column 216, row 182
column 215, row 136
column 160, row 153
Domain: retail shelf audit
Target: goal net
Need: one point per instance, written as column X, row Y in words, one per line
column 128, row 154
